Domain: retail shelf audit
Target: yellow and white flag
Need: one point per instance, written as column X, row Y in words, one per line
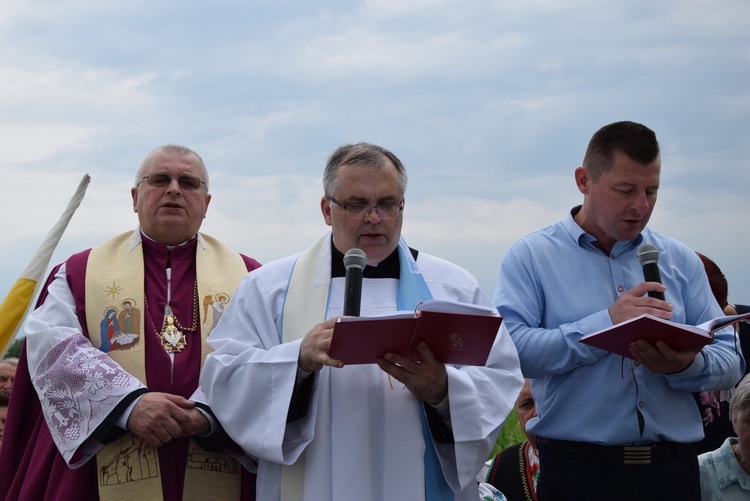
column 18, row 300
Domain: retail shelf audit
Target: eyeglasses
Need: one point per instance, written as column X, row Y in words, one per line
column 162, row 180
column 385, row 211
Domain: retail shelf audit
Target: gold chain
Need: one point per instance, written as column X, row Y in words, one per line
column 177, row 324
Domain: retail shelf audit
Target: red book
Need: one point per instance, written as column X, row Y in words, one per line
column 617, row 339
column 456, row 333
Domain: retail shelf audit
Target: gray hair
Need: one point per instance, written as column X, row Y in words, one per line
column 364, row 153
column 739, row 405
column 173, row 149
column 10, row 360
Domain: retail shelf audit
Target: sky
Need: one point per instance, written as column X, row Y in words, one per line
column 489, row 104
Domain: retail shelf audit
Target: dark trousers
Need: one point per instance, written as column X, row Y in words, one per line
column 588, row 472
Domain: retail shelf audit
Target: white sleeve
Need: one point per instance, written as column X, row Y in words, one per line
column 480, row 400
column 250, row 377
column 78, row 386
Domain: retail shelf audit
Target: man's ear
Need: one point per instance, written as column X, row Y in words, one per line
column 583, row 180
column 208, row 201
column 325, row 208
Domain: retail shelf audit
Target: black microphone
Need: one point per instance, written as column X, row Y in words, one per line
column 355, row 261
column 648, row 256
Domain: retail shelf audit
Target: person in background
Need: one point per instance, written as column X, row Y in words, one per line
column 8, row 367
column 720, row 290
column 514, row 471
column 103, row 410
column 610, row 427
column 489, row 492
column 4, row 401
column 324, row 431
column 712, row 404
column 725, row 472
column 743, row 328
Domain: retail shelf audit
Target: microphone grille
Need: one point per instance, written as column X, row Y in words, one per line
column 355, row 258
column 647, row 254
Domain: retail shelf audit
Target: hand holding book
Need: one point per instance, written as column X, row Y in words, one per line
column 457, row 333
column 617, row 339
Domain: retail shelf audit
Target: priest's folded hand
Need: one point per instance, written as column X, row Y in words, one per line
column 158, row 418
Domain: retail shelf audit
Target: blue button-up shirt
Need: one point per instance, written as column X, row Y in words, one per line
column 555, row 286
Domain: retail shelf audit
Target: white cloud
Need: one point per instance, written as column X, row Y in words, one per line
column 489, row 104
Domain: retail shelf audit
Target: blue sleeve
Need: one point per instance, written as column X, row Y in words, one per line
column 521, row 301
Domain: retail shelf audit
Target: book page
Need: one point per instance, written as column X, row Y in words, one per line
column 446, row 306
column 700, row 330
column 392, row 314
column 721, row 322
column 618, row 338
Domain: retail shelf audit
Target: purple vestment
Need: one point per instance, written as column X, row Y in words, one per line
column 31, row 466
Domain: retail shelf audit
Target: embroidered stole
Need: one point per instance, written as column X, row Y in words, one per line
column 116, row 266
column 306, row 303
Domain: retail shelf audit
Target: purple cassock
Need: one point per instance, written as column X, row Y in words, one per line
column 31, row 466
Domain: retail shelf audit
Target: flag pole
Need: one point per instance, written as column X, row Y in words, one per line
column 17, row 302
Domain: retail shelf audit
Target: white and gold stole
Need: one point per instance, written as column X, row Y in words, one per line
column 115, row 270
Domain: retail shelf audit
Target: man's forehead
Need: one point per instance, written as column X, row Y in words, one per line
column 363, row 179
column 163, row 160
column 625, row 169
column 620, row 158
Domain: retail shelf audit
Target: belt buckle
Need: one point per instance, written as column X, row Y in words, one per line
column 637, row 455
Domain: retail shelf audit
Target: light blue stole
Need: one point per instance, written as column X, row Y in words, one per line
column 412, row 290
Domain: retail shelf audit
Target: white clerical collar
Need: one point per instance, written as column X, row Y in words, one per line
column 136, row 239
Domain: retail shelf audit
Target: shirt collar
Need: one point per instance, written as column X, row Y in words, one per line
column 388, row 268
column 139, row 234
column 586, row 241
column 185, row 250
column 728, row 469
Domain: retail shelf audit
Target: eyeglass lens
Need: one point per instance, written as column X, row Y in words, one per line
column 384, row 211
column 161, row 180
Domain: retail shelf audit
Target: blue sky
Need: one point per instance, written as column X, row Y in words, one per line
column 490, row 104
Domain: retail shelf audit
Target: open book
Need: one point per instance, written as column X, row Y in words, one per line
column 456, row 333
column 617, row 339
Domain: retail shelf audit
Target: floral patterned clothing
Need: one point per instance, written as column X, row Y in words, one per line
column 722, row 477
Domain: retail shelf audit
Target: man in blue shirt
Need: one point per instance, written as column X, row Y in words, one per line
column 582, row 275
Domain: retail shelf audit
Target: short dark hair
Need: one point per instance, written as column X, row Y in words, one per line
column 635, row 140
column 365, row 153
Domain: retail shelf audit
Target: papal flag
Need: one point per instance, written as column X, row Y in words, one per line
column 16, row 304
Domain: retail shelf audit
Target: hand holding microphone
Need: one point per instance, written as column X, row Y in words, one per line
column 313, row 354
column 631, row 303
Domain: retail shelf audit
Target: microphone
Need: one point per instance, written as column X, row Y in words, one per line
column 648, row 256
column 355, row 261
